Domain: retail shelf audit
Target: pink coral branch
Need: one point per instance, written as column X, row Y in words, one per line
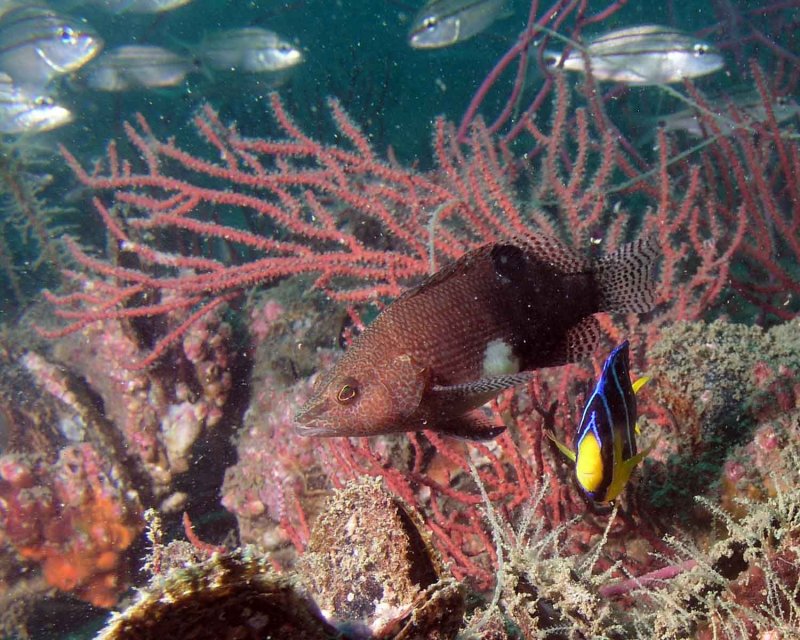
column 646, row 580
column 305, row 202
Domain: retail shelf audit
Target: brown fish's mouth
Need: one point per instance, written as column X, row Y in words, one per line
column 307, row 422
column 312, row 430
column 311, row 410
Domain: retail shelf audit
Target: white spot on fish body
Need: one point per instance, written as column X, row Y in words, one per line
column 499, row 359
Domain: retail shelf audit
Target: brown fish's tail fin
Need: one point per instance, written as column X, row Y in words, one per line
column 625, row 277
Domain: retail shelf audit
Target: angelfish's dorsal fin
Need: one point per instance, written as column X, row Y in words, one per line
column 626, row 468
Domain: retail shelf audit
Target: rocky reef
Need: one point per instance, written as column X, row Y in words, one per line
column 71, row 518
column 69, row 510
column 369, row 572
column 729, row 389
column 404, row 536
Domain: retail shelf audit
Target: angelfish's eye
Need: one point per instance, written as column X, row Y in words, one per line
column 347, row 393
column 700, row 49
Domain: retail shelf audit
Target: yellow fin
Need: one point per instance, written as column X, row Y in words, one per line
column 569, row 453
column 623, row 474
column 638, row 384
column 630, row 463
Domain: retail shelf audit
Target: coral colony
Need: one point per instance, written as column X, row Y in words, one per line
column 235, row 267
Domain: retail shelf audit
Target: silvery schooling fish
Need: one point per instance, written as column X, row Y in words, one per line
column 37, row 44
column 749, row 103
column 23, row 112
column 474, row 328
column 605, row 442
column 137, row 67
column 138, row 6
column 643, row 55
column 248, row 49
column 441, row 23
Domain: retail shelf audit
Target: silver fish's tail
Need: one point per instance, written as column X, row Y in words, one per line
column 626, row 277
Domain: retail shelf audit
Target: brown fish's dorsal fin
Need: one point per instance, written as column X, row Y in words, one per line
column 580, row 342
column 544, row 248
column 472, row 425
column 554, row 253
column 460, row 266
column 625, row 277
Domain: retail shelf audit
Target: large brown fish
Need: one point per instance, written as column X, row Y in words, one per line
column 478, row 326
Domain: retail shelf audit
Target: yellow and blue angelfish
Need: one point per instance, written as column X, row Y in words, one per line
column 605, row 442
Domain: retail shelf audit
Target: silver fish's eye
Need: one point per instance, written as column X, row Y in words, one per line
column 284, row 48
column 700, row 49
column 430, row 23
column 347, row 393
column 68, row 35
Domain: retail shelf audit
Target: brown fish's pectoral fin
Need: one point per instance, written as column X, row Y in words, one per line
column 473, row 425
column 458, row 398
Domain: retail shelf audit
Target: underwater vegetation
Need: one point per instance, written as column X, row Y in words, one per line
column 30, row 254
column 225, row 268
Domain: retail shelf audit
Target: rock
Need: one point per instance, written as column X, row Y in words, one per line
column 373, row 571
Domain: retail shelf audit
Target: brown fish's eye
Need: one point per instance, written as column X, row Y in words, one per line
column 347, row 393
